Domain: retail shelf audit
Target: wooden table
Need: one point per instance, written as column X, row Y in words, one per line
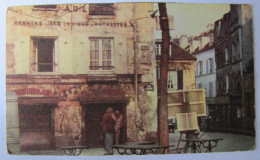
column 139, row 149
column 73, row 150
column 195, row 144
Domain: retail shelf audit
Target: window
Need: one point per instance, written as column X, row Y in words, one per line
column 210, row 89
column 43, row 55
column 101, row 52
column 199, row 68
column 226, row 56
column 227, row 84
column 34, row 118
column 210, row 65
column 158, row 50
column 101, row 9
column 199, row 85
column 172, row 81
column 175, row 80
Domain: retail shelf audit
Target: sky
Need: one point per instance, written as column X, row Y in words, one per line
column 192, row 19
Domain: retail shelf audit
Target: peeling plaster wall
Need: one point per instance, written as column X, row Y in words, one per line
column 72, row 56
column 68, row 123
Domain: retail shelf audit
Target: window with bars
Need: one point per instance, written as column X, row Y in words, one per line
column 101, row 52
column 43, row 54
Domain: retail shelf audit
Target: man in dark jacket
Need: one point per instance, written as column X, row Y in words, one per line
column 109, row 121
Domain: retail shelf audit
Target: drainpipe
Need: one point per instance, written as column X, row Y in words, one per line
column 135, row 59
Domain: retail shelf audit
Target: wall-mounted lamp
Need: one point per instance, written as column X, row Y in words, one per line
column 153, row 14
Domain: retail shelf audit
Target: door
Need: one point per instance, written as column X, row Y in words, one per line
column 94, row 117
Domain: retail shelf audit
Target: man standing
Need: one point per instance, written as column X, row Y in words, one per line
column 118, row 125
column 109, row 130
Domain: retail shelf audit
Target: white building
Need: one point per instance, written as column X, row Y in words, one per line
column 202, row 48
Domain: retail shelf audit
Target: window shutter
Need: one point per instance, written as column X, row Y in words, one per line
column 180, row 79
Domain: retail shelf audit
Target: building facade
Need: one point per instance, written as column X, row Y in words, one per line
column 235, row 103
column 181, row 71
column 181, row 82
column 205, row 66
column 68, row 63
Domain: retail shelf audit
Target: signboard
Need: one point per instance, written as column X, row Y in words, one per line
column 186, row 101
column 149, row 87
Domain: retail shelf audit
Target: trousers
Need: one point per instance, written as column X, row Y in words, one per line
column 109, row 139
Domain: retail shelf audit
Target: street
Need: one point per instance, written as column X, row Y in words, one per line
column 231, row 143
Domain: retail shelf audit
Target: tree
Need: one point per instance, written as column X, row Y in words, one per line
column 164, row 62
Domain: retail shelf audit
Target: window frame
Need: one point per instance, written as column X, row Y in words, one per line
column 34, row 56
column 100, row 60
column 227, row 55
column 171, row 79
column 227, row 84
column 158, row 49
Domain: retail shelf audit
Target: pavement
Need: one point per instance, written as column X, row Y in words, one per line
column 231, row 143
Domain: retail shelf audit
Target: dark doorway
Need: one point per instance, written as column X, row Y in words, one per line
column 94, row 116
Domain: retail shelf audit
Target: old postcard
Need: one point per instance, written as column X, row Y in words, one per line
column 94, row 79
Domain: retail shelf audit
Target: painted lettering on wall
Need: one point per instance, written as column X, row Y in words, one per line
column 60, row 24
column 74, row 8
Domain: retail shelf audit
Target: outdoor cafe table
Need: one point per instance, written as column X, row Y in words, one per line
column 73, row 150
column 205, row 143
column 139, row 148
